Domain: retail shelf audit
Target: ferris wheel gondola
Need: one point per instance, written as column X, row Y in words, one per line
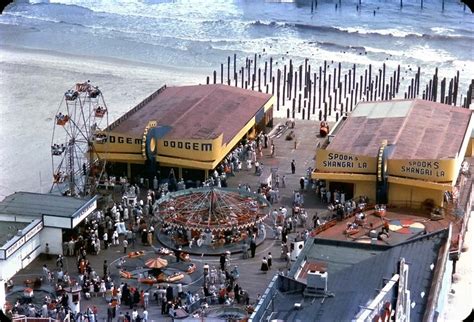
column 81, row 122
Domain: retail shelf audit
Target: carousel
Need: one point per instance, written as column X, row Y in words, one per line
column 211, row 219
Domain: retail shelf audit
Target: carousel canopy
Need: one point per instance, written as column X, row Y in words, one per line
column 213, row 209
column 156, row 263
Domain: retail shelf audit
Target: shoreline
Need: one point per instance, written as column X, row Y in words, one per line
column 37, row 56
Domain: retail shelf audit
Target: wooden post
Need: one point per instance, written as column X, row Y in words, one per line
column 443, row 90
column 339, row 73
column 215, row 75
column 278, row 85
column 329, row 88
column 278, row 100
column 369, row 81
column 296, row 82
column 259, row 75
column 265, row 74
column 242, row 72
column 456, row 87
column 450, row 92
column 379, row 86
column 418, row 82
column 299, row 103
column 383, row 79
column 235, row 67
column 222, row 73
column 314, row 93
column 248, row 71
column 365, row 83
column 355, row 94
column 284, row 84
column 290, row 77
column 339, row 88
column 255, row 65
column 429, row 92
column 377, row 90
column 352, row 100
column 271, row 66
column 398, row 78
column 300, row 77
column 207, row 80
column 228, row 70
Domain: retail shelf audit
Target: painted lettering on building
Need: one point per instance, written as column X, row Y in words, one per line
column 337, row 160
column 195, row 146
column 123, row 140
column 424, row 168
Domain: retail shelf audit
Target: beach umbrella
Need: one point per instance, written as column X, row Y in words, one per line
column 156, row 263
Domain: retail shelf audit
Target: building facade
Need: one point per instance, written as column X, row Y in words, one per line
column 190, row 129
column 401, row 152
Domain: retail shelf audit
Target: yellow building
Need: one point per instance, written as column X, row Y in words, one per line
column 189, row 128
column 400, row 152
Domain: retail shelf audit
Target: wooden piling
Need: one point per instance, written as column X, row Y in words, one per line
column 228, row 70
column 443, row 90
column 222, row 73
column 259, row 75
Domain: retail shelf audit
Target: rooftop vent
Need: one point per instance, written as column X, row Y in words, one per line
column 317, row 280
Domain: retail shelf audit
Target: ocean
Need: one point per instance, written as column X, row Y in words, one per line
column 132, row 47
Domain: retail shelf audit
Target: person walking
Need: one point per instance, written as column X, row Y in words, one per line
column 293, row 166
column 272, row 150
column 269, row 260
column 125, row 245
column 222, row 261
column 253, row 247
column 264, row 266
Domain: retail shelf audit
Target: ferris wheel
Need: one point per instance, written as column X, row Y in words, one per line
column 81, row 122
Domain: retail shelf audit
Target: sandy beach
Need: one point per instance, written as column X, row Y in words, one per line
column 33, row 99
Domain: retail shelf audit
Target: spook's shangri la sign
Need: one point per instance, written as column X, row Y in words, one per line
column 431, row 170
column 332, row 161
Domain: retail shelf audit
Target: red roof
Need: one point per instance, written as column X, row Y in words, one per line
column 419, row 129
column 197, row 112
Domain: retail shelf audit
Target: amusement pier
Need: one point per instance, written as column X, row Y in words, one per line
column 198, row 204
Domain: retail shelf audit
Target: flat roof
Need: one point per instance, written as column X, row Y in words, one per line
column 39, row 204
column 418, row 129
column 355, row 274
column 8, row 229
column 196, row 112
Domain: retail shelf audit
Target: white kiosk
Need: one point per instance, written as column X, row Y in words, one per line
column 74, row 298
